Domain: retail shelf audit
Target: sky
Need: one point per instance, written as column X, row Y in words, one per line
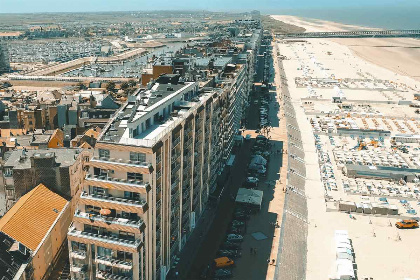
column 265, row 6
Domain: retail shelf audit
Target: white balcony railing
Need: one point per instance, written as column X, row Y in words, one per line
column 122, row 161
column 104, row 178
column 104, row 238
column 114, row 262
column 111, row 220
column 113, row 199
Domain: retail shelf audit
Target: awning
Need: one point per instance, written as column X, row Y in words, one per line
column 248, row 196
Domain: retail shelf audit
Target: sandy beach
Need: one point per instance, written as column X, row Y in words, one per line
column 400, row 55
column 381, row 250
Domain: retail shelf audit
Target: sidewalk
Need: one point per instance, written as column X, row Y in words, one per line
column 256, row 266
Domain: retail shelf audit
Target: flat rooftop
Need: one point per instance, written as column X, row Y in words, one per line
column 148, row 105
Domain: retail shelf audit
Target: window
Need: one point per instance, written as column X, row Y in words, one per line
column 92, row 209
column 30, row 122
column 104, row 153
column 127, row 235
column 104, row 252
column 77, row 246
column 128, row 215
column 97, row 190
column 124, row 256
column 8, row 172
column 134, row 176
column 137, row 157
column 132, row 195
column 92, row 229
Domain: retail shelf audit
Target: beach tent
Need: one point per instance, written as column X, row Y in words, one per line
column 359, row 208
column 347, row 206
column 344, row 253
column 250, row 197
column 341, row 233
column 343, row 270
column 342, row 238
column 367, row 208
column 392, row 209
column 381, row 209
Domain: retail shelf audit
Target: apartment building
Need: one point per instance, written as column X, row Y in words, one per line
column 58, row 169
column 154, row 166
column 32, row 234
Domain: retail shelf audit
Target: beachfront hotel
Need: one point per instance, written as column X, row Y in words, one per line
column 154, row 165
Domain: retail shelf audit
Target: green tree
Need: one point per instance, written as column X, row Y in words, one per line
column 110, row 86
column 132, row 83
column 125, row 86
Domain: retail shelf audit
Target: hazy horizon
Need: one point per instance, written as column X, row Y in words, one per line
column 265, row 6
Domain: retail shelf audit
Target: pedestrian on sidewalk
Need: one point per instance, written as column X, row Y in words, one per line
column 268, row 261
column 273, row 261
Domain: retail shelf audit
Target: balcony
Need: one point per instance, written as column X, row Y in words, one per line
column 188, row 129
column 110, row 182
column 158, row 159
column 103, row 240
column 110, row 220
column 175, row 169
column 121, row 164
column 78, row 254
column 175, row 157
column 176, row 142
column 79, row 268
column 113, row 202
column 109, row 261
column 104, row 275
column 188, row 142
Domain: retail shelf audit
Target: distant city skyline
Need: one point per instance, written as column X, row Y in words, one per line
column 265, row 6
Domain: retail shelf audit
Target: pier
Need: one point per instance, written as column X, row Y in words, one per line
column 355, row 34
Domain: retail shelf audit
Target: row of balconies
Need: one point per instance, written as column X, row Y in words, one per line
column 109, row 238
column 112, row 220
column 105, row 275
column 121, row 161
column 113, row 199
column 110, row 261
column 107, row 178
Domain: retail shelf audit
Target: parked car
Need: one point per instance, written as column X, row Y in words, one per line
column 235, row 230
column 235, row 238
column 237, row 223
column 223, row 262
column 229, row 253
column 223, row 273
column 230, row 245
column 406, row 224
column 252, row 180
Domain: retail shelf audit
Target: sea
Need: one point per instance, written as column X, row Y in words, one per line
column 375, row 17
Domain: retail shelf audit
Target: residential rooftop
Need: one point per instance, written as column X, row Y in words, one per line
column 21, row 159
column 29, row 220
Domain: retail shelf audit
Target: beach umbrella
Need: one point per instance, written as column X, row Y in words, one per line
column 105, row 212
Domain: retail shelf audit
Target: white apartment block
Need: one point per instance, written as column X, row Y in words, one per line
column 154, row 166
